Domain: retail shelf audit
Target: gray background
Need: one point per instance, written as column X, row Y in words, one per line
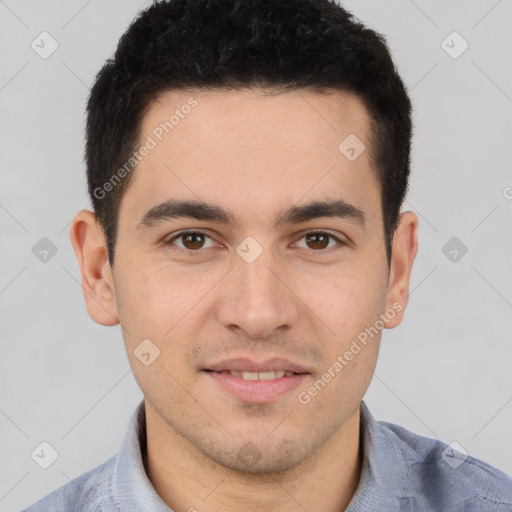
column 444, row 373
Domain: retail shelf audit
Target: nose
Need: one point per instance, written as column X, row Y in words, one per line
column 257, row 298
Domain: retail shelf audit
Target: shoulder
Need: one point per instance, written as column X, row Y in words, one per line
column 451, row 477
column 85, row 493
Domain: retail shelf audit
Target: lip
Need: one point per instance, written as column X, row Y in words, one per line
column 256, row 391
column 243, row 364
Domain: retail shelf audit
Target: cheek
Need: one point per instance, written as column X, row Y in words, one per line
column 156, row 306
column 350, row 306
column 141, row 302
column 166, row 305
column 146, row 295
column 347, row 300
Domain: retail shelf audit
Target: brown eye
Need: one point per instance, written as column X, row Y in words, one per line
column 190, row 240
column 193, row 241
column 318, row 240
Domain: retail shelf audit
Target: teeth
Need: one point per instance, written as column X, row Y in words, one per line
column 276, row 374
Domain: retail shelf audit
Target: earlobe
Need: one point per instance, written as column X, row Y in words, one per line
column 91, row 252
column 405, row 247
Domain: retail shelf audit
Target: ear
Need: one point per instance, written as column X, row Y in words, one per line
column 404, row 249
column 90, row 247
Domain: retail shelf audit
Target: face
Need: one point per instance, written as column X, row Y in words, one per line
column 259, row 275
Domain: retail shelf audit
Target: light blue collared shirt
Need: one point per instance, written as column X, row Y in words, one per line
column 402, row 472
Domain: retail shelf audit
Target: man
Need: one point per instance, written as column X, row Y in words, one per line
column 247, row 162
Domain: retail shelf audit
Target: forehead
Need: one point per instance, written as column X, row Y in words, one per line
column 254, row 152
column 326, row 116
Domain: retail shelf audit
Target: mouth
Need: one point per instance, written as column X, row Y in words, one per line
column 267, row 375
column 256, row 387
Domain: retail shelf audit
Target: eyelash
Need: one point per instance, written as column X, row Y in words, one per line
column 191, row 252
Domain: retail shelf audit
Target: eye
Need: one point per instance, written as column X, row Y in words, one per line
column 193, row 241
column 319, row 240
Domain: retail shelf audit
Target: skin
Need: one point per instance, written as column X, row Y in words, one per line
column 255, row 155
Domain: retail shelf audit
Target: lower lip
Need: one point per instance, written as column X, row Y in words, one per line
column 257, row 391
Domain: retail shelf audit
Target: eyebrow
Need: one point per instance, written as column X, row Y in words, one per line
column 177, row 209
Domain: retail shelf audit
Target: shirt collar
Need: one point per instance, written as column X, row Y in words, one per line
column 384, row 475
column 131, row 489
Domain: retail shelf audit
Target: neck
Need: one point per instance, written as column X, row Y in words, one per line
column 187, row 480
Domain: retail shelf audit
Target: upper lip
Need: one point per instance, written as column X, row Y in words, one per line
column 242, row 364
